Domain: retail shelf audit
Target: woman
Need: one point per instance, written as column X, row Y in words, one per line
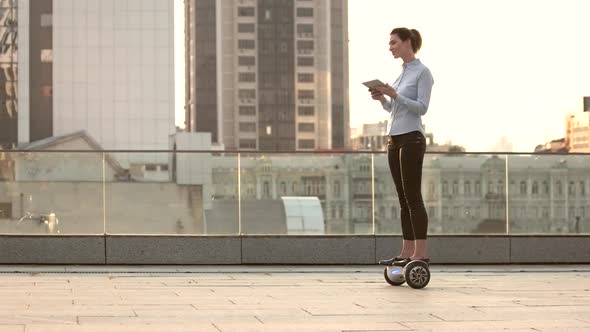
column 406, row 101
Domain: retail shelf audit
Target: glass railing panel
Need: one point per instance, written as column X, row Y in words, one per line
column 171, row 193
column 301, row 193
column 549, row 194
column 462, row 193
column 51, row 193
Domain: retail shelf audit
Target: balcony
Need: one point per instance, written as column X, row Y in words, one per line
column 231, row 207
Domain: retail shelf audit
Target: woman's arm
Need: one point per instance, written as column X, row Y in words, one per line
column 420, row 106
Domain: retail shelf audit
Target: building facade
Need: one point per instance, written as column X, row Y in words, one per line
column 106, row 67
column 462, row 194
column 578, row 132
column 268, row 74
column 8, row 74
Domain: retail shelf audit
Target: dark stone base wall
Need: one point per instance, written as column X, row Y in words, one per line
column 326, row 250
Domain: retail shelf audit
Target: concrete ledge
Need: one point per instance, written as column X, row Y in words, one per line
column 469, row 249
column 550, row 249
column 30, row 249
column 172, row 250
column 447, row 249
column 308, row 250
column 336, row 250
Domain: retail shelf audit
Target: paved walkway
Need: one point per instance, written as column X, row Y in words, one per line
column 269, row 298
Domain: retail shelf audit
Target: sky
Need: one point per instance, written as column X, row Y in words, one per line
column 504, row 70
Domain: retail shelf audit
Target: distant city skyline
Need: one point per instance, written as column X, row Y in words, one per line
column 516, row 80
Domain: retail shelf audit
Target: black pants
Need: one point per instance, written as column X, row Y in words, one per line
column 405, row 154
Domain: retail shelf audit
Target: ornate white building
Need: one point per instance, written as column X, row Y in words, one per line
column 462, row 194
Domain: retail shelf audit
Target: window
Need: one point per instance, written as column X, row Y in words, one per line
column 545, row 187
column 582, row 188
column 247, row 77
column 500, row 187
column 336, row 188
column 246, row 11
column 283, row 187
column 455, row 188
column 294, row 187
column 247, row 127
column 5, row 210
column 305, row 46
column 247, row 110
column 46, row 91
column 477, row 188
column 151, row 167
column 306, row 144
column 246, row 61
column 304, row 12
column 431, row 188
column 558, row 188
column 305, row 61
column 305, row 78
column 246, row 44
column 266, row 189
column 306, row 127
column 47, row 56
column 571, row 189
column 306, row 94
column 535, row 190
column 545, row 212
column 306, row 110
column 445, row 187
column 467, row 188
column 247, row 144
column 523, row 188
column 246, row 27
column 46, row 20
column 394, row 214
column 305, row 28
column 247, row 94
column 164, row 167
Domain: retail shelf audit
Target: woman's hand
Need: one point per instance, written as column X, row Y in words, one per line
column 387, row 90
column 376, row 95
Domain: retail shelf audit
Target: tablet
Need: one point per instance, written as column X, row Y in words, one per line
column 372, row 84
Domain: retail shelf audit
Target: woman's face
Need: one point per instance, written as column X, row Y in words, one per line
column 399, row 48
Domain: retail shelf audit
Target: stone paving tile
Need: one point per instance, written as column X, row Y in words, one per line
column 262, row 298
column 12, row 328
column 539, row 325
column 24, row 319
column 125, row 327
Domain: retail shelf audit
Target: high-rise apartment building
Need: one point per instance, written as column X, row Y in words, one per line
column 268, row 74
column 106, row 67
column 8, row 74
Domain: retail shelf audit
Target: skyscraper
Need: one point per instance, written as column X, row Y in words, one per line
column 106, row 67
column 8, row 74
column 268, row 74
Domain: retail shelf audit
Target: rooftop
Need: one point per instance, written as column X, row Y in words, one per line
column 301, row 298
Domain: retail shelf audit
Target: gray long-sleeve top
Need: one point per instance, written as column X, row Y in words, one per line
column 413, row 87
